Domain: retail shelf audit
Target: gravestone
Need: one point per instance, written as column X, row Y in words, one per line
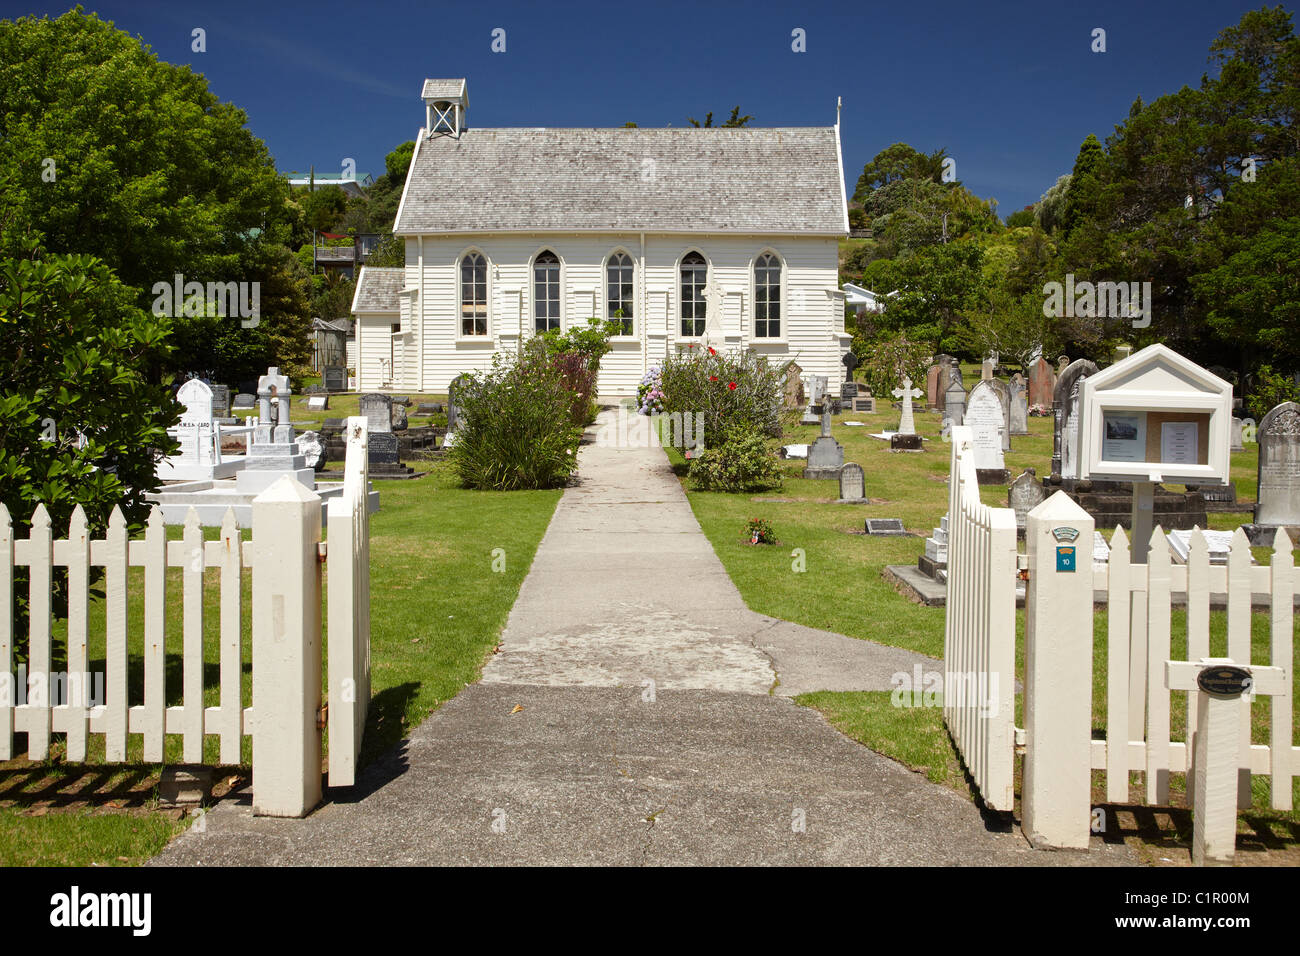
column 816, row 397
column 1279, row 474
column 825, row 455
column 933, row 562
column 244, row 401
column 867, row 405
column 886, row 528
column 313, row 450
column 220, row 401
column 850, row 362
column 318, row 403
column 1018, row 420
column 399, row 417
column 1025, row 494
column 986, row 371
column 932, row 393
column 984, row 418
column 793, row 390
column 1065, row 402
column 1003, row 391
column 848, row 391
column 954, row 404
column 852, row 484
column 378, row 409
column 335, row 378
column 454, row 397
column 314, row 390
column 274, row 451
column 428, row 408
column 1235, row 436
column 907, row 424
column 197, row 459
column 1042, row 383
column 1062, row 363
column 333, row 423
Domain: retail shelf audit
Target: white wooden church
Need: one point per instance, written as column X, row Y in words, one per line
column 725, row 236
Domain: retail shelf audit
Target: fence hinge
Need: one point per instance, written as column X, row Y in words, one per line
column 322, row 550
column 322, row 715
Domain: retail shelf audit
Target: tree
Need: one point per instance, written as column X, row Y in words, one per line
column 324, row 207
column 936, row 285
column 1081, row 193
column 80, row 421
column 106, row 150
column 1048, row 209
column 899, row 161
column 735, row 120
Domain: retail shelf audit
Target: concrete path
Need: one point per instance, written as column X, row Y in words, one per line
column 653, row 727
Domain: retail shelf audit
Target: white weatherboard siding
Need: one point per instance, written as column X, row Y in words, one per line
column 811, row 320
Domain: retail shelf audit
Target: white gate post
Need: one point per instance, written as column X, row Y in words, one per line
column 286, row 650
column 1058, row 675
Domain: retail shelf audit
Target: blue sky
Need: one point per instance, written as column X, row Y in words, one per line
column 1009, row 89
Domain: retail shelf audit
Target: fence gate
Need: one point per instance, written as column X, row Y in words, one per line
column 349, row 610
column 979, row 638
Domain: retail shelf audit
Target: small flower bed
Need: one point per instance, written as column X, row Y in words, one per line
column 759, row 531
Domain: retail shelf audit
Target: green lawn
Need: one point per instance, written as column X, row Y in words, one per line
column 437, row 610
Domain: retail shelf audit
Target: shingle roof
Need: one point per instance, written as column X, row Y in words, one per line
column 720, row 179
column 442, row 89
column 378, row 289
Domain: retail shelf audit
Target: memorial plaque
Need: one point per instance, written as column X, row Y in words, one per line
column 382, row 448
column 984, row 417
column 1224, row 680
column 335, row 378
column 852, row 482
column 378, row 409
column 886, row 528
column 1279, row 467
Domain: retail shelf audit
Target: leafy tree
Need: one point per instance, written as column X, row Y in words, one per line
column 324, row 206
column 899, row 161
column 890, row 358
column 1021, row 217
column 1081, row 194
column 1049, row 208
column 389, row 252
column 106, row 150
column 936, row 285
column 80, row 421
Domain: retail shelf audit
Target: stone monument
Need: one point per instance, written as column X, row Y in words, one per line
column 825, row 455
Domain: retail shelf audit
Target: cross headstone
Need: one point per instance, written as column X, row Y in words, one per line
column 852, row 483
column 378, row 410
column 1279, row 467
column 907, row 425
column 984, row 418
column 273, row 398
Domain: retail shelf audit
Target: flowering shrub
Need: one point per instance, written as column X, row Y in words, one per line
column 758, row 531
column 1038, row 411
column 743, row 463
column 732, row 392
column 650, row 393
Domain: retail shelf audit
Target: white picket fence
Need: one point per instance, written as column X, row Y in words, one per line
column 285, row 559
column 979, row 639
column 1137, row 674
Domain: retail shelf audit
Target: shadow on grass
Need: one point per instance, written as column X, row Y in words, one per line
column 117, row 786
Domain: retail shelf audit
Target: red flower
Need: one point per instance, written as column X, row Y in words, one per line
column 713, row 378
column 712, row 350
column 731, row 385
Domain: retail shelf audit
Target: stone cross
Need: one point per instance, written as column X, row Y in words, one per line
column 907, row 426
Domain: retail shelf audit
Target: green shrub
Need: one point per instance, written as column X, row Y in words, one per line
column 517, row 429
column 1269, row 389
column 730, row 392
column 741, row 464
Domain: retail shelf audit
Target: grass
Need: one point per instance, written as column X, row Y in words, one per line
column 842, row 588
column 437, row 611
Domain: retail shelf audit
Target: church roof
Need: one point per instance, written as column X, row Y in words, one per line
column 378, row 289
column 443, row 89
column 721, row 179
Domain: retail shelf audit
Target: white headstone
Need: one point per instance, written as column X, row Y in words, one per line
column 984, row 417
column 196, row 421
column 907, row 426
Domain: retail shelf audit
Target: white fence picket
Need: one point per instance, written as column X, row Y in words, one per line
column 152, row 555
column 192, row 563
column 1198, row 625
column 1159, row 560
column 1282, row 568
column 77, row 557
column 1117, row 669
column 230, row 723
column 40, row 568
column 1239, row 623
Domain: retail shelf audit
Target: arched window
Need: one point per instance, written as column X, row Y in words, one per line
column 767, row 297
column 620, row 290
column 546, row 291
column 695, row 275
column 473, row 295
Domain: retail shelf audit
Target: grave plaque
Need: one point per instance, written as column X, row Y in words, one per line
column 378, row 409
column 886, row 527
column 867, row 404
column 221, row 401
column 984, row 418
column 245, row 401
column 382, row 448
column 318, row 403
column 852, row 483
